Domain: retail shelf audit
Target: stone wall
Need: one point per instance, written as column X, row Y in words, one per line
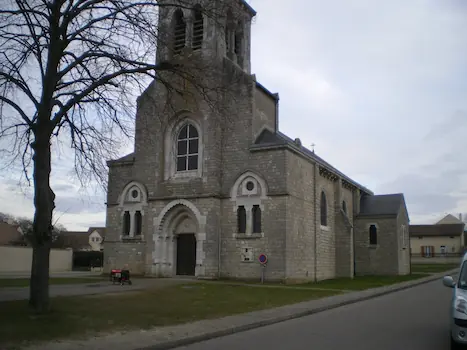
column 301, row 219
column 236, row 261
column 403, row 241
column 379, row 259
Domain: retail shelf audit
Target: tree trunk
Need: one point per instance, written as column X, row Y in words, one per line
column 42, row 226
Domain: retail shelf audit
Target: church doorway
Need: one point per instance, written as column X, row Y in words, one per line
column 186, row 254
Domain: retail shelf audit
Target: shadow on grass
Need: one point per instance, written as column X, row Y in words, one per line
column 88, row 315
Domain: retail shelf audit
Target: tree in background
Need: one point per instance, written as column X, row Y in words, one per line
column 70, row 71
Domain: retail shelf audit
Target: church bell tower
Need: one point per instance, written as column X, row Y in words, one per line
column 211, row 29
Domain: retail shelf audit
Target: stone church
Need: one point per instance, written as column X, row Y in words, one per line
column 208, row 189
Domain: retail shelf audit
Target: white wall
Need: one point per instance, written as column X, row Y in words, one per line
column 19, row 259
column 95, row 241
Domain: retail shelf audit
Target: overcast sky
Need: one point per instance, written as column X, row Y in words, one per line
column 380, row 87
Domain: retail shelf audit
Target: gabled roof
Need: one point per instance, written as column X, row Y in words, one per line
column 436, row 230
column 267, row 139
column 449, row 219
column 129, row 158
column 100, row 230
column 386, row 204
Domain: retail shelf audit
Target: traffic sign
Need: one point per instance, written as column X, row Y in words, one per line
column 263, row 259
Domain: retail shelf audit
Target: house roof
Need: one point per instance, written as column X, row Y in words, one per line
column 267, row 138
column 436, row 230
column 8, row 233
column 129, row 158
column 386, row 204
column 449, row 219
column 100, row 230
column 75, row 239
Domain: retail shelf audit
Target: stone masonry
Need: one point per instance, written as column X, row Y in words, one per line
column 213, row 183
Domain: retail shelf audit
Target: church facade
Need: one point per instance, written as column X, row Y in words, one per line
column 208, row 190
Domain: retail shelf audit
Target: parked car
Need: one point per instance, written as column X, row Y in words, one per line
column 458, row 308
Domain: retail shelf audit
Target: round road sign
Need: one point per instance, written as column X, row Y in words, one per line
column 263, row 259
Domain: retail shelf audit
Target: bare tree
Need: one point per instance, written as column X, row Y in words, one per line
column 68, row 70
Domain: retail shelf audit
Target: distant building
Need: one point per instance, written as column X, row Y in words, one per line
column 10, row 234
column 96, row 238
column 444, row 238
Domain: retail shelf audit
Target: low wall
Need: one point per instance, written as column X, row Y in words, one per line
column 19, row 259
column 437, row 260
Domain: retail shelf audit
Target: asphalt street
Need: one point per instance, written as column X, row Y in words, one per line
column 413, row 319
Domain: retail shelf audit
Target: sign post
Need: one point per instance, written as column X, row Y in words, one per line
column 263, row 260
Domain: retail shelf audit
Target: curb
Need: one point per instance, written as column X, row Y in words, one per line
column 237, row 329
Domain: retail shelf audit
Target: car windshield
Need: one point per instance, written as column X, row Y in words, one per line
column 462, row 283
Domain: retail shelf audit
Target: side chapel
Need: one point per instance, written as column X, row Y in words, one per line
column 206, row 191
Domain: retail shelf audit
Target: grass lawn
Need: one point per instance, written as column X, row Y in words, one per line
column 427, row 268
column 362, row 282
column 24, row 282
column 75, row 316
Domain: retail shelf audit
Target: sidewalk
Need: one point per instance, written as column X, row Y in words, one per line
column 64, row 274
column 104, row 287
column 174, row 336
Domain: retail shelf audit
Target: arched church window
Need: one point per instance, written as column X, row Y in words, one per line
column 179, row 38
column 238, row 44
column 138, row 222
column 373, row 231
column 324, row 210
column 344, row 206
column 126, row 223
column 187, row 148
column 256, row 211
column 198, row 26
column 229, row 30
column 241, row 219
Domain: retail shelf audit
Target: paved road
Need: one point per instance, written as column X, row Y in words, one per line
column 415, row 319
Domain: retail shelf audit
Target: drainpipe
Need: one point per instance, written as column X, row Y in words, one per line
column 315, row 258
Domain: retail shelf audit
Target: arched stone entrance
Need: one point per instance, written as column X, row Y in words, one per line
column 179, row 240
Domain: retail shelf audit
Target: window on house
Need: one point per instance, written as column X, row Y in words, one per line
column 373, row 235
column 324, row 210
column 179, row 39
column 344, row 206
column 241, row 219
column 138, row 222
column 126, row 223
column 197, row 28
column 256, row 211
column 187, row 148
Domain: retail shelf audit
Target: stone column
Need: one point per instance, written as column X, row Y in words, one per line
column 249, row 219
column 132, row 223
column 200, row 254
column 170, row 255
column 189, row 30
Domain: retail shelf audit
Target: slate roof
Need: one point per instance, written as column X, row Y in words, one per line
column 75, row 239
column 100, row 230
column 437, row 230
column 386, row 204
column 268, row 138
column 128, row 158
